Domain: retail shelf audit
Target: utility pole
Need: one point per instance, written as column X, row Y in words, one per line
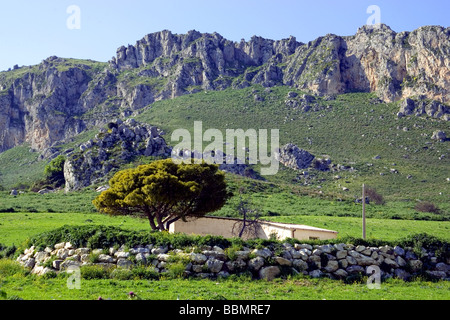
column 363, row 212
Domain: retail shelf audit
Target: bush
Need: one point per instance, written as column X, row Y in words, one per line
column 94, row 272
column 21, row 186
column 6, row 252
column 426, row 206
column 176, row 270
column 231, row 251
column 121, row 274
column 10, row 267
column 144, row 273
column 374, row 196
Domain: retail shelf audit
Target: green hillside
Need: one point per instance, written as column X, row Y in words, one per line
column 351, row 130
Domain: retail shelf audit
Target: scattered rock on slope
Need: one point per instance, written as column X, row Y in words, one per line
column 120, row 144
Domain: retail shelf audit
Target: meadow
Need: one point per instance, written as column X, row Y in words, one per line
column 350, row 129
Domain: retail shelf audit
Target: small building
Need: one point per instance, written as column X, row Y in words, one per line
column 227, row 228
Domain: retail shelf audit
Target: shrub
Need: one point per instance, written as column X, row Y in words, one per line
column 121, row 274
column 94, row 272
column 374, row 196
column 176, row 270
column 6, row 252
column 49, row 262
column 144, row 273
column 426, row 206
column 10, row 267
column 94, row 257
column 21, row 186
column 231, row 251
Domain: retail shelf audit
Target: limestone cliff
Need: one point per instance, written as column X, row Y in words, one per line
column 44, row 104
column 111, row 148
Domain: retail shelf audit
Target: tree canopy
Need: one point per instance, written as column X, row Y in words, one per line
column 54, row 171
column 165, row 192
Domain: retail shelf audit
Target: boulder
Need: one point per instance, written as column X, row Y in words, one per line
column 332, row 266
column 29, row 263
column 140, row 258
column 215, row 254
column 439, row 135
column 391, row 263
column 355, row 269
column 214, row 265
column 438, row 275
column 442, row 267
column 341, row 254
column 265, row 253
column 121, row 254
column 315, row 273
column 256, row 263
column 340, row 273
column 69, row 264
column 59, row 245
column 398, row 251
column 41, row 256
column 242, row 255
column 269, row 273
column 105, row 258
column 57, row 264
column 400, row 261
column 283, row 262
column 300, row 265
column 198, row 258
column 402, row 274
column 293, row 157
column 407, row 106
column 415, row 265
column 40, row 271
column 124, row 263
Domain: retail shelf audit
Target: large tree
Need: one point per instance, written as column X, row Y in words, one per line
column 165, row 192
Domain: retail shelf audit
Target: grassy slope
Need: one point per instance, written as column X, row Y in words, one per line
column 352, row 133
column 31, row 288
column 336, row 132
column 18, row 226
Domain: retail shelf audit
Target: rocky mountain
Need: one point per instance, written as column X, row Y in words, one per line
column 59, row 98
column 118, row 145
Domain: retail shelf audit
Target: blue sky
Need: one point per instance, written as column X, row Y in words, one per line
column 31, row 31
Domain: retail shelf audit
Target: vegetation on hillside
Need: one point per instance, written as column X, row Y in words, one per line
column 164, row 192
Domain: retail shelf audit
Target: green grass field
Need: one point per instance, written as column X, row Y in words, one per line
column 349, row 130
column 297, row 288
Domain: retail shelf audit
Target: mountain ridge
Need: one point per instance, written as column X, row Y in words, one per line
column 45, row 104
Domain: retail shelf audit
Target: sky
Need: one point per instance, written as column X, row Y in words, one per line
column 31, row 31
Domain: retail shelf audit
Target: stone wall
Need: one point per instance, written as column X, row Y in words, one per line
column 337, row 261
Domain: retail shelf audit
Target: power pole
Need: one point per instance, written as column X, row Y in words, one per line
column 363, row 212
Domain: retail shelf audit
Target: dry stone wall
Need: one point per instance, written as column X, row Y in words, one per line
column 336, row 261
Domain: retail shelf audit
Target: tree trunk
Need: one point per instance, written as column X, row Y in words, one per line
column 150, row 219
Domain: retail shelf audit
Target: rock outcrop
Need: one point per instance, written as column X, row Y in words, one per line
column 293, row 157
column 423, row 107
column 41, row 106
column 118, row 145
column 59, row 98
